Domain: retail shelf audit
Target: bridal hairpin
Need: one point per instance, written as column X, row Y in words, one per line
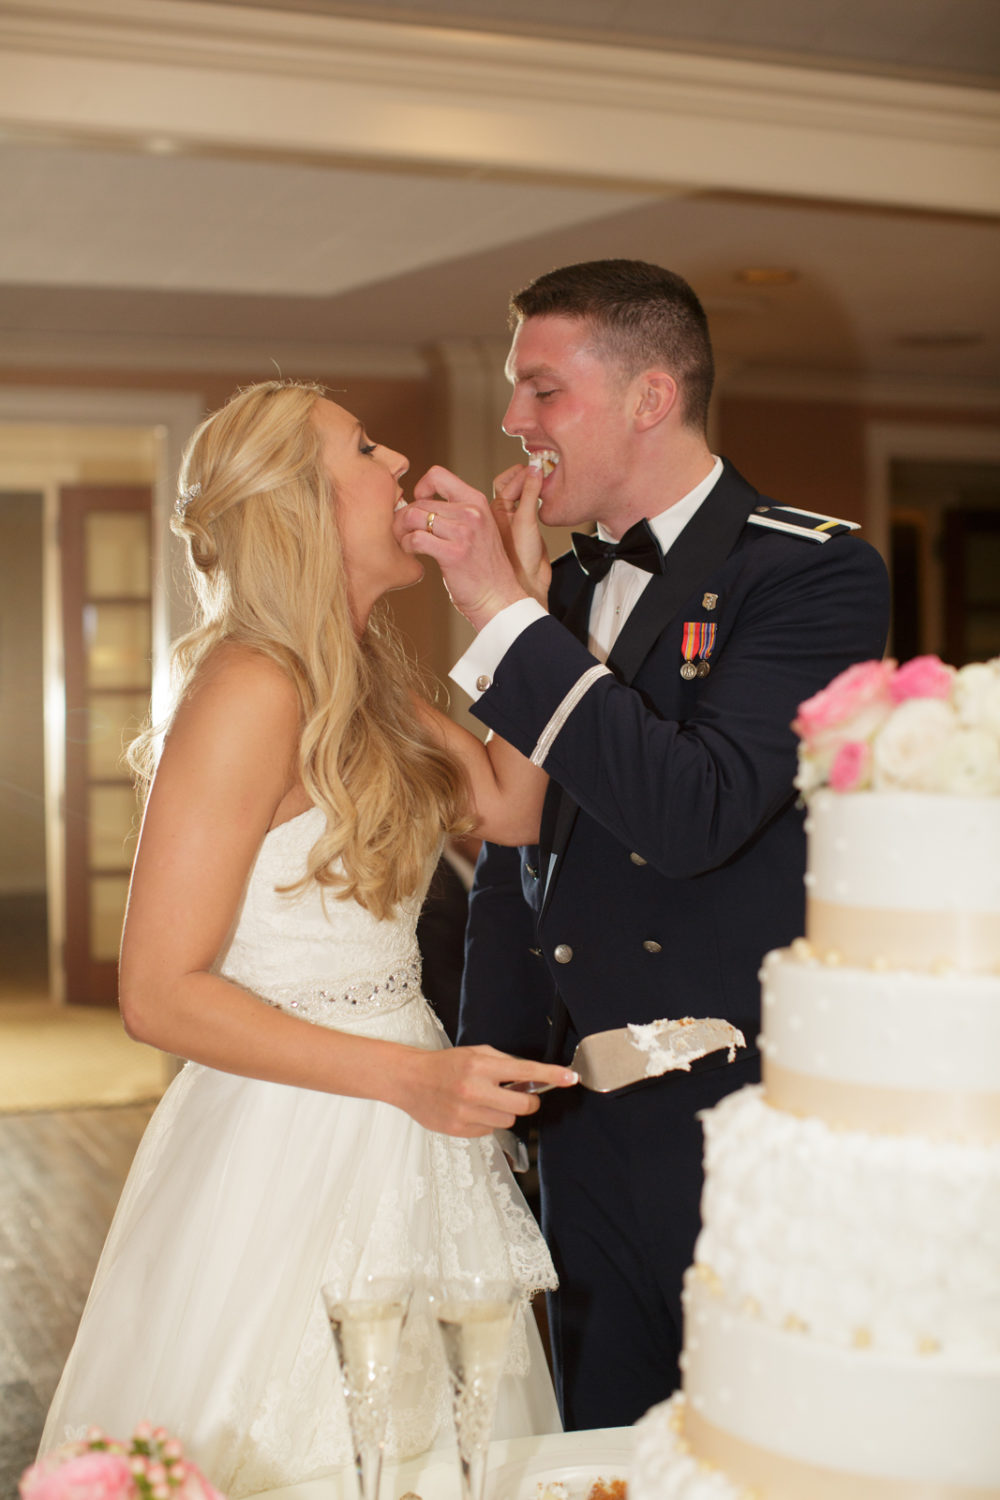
column 188, row 493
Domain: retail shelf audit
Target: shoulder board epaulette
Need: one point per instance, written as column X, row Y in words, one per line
column 804, row 523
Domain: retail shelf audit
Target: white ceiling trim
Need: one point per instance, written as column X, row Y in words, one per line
column 258, row 358
column 220, row 78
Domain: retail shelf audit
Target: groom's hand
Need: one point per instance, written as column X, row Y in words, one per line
column 515, row 508
column 451, row 522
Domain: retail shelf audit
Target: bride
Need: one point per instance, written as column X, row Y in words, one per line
column 323, row 1126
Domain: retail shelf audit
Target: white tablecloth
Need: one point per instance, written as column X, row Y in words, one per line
column 515, row 1467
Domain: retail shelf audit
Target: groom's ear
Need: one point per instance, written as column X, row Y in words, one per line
column 655, row 394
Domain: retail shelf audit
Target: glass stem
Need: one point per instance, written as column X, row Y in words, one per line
column 473, row 1470
column 368, row 1463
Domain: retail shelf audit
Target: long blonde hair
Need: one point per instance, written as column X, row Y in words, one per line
column 267, row 566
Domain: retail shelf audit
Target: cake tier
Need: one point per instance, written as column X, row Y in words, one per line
column 889, row 1052
column 905, row 879
column 795, row 1417
column 886, row 1242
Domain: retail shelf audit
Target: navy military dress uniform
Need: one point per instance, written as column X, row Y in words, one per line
column 671, row 860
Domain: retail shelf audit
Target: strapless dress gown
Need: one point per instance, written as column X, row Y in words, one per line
column 205, row 1314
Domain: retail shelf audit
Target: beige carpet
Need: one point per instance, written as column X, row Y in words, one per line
column 72, row 1057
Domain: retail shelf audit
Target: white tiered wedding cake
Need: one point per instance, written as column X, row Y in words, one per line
column 842, row 1316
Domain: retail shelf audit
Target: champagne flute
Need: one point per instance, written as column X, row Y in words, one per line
column 366, row 1317
column 474, row 1315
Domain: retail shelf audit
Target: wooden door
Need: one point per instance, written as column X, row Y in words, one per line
column 972, row 584
column 106, row 601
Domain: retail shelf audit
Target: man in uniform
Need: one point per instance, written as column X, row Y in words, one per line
column 656, row 684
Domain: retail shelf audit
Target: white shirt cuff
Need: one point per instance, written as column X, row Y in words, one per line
column 475, row 670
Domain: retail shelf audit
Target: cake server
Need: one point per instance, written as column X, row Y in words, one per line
column 608, row 1060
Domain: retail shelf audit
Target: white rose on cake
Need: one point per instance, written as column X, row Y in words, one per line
column 906, row 750
column 967, row 765
column 977, row 696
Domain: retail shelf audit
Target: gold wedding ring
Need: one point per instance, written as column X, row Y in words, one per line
column 431, row 518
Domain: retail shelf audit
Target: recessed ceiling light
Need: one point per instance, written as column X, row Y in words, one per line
column 767, row 275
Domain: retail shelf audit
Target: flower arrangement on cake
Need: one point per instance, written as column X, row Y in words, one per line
column 150, row 1466
column 919, row 727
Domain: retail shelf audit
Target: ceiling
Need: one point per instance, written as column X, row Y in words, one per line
column 141, row 225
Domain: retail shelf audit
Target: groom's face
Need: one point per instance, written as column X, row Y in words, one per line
column 568, row 399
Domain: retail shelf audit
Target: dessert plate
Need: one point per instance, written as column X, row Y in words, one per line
column 520, row 1481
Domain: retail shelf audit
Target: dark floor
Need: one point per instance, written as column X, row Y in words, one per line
column 60, row 1177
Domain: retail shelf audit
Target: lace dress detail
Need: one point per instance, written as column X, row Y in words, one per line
column 245, row 1196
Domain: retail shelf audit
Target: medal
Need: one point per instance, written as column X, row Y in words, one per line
column 697, row 644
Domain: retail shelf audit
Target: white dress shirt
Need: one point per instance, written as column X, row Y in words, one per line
column 615, row 596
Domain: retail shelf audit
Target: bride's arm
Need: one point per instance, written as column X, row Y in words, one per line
column 228, row 772
column 507, row 791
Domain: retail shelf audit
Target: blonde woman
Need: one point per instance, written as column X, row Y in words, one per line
column 323, row 1126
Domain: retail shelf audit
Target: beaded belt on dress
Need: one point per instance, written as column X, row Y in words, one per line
column 366, row 997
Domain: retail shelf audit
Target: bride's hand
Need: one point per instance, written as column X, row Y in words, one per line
column 459, row 1091
column 515, row 510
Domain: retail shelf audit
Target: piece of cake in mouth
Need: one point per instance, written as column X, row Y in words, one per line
column 543, row 461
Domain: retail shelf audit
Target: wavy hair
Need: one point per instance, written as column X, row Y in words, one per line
column 264, row 555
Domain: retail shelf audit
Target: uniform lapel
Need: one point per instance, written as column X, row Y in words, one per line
column 705, row 542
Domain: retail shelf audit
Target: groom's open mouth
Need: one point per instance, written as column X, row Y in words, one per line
column 543, row 460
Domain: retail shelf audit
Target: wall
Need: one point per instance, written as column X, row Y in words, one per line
column 813, row 453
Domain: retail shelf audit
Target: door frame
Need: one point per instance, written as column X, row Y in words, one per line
column 172, row 415
column 889, row 441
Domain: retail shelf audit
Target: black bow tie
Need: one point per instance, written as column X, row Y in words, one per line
column 638, row 546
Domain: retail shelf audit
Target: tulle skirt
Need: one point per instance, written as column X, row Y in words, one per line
column 205, row 1315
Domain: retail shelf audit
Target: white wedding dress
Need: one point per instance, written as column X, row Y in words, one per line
column 205, row 1314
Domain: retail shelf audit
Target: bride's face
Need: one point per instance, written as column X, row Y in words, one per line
column 365, row 480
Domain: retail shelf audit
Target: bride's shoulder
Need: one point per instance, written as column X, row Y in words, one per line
column 239, row 695
column 235, row 674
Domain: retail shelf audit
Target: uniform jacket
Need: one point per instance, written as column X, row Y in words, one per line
column 672, row 849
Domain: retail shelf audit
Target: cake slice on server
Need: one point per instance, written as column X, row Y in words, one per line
column 842, row 1316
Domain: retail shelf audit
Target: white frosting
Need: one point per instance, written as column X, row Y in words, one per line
column 889, row 1030
column 904, row 851
column 931, row 1420
column 663, row 1469
column 670, row 1045
column 889, row 1238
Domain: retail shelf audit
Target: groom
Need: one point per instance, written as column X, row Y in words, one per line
column 656, row 684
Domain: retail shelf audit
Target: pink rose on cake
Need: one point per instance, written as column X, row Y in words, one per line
column 150, row 1466
column 921, row 677
column 847, row 712
column 921, row 726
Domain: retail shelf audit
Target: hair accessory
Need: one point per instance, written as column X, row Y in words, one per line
column 188, row 493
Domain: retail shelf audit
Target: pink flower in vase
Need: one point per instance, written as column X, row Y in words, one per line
column 922, row 677
column 851, row 767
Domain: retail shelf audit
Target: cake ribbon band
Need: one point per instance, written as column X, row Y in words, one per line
column 940, row 1114
column 968, row 941
column 783, row 1478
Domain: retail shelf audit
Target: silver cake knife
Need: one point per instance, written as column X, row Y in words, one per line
column 608, row 1060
